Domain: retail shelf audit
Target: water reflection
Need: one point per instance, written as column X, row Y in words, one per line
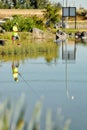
column 48, row 51
column 52, row 81
column 68, row 54
column 15, row 72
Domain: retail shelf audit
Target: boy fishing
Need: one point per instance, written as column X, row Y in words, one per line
column 15, row 36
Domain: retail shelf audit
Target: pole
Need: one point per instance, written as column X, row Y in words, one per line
column 63, row 3
column 66, row 3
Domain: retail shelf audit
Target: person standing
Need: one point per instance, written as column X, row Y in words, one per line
column 15, row 36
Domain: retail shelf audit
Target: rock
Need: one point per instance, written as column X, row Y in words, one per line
column 37, row 33
column 2, row 30
column 60, row 35
column 2, row 42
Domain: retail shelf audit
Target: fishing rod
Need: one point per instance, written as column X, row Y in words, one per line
column 29, row 85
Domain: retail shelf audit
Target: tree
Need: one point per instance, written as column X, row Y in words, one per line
column 59, row 5
column 5, row 3
column 35, row 4
column 51, row 14
column 38, row 3
column 14, row 2
column 27, row 3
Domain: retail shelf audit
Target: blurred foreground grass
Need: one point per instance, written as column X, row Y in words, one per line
column 12, row 117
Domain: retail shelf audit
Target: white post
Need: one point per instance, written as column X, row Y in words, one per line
column 66, row 3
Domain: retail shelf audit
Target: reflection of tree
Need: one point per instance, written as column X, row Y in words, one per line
column 48, row 59
column 67, row 54
column 51, row 55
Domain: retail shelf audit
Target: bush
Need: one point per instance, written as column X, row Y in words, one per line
column 52, row 14
column 24, row 23
column 82, row 12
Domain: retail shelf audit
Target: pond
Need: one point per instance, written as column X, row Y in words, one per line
column 60, row 81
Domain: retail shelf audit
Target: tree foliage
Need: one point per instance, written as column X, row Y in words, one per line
column 52, row 14
column 36, row 4
column 24, row 23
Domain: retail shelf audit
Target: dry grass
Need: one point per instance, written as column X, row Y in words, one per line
column 24, row 12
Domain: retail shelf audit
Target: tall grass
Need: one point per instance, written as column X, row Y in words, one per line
column 12, row 117
column 31, row 48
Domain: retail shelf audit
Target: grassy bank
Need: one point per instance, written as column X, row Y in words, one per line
column 28, row 48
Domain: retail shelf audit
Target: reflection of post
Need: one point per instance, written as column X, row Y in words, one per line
column 66, row 78
column 66, row 75
column 69, row 54
column 75, row 50
column 66, row 72
column 62, row 50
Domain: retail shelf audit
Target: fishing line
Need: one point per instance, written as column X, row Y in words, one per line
column 29, row 85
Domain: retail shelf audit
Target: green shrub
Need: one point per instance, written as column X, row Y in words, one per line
column 24, row 23
column 52, row 14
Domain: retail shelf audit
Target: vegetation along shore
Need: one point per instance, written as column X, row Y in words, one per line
column 42, row 18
